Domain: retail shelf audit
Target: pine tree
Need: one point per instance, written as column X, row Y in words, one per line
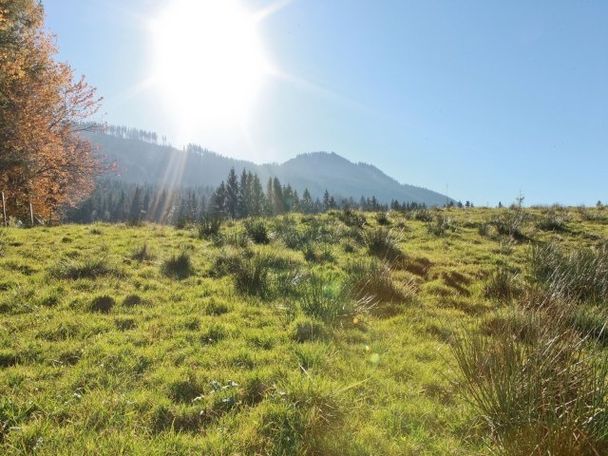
column 326, row 202
column 232, row 194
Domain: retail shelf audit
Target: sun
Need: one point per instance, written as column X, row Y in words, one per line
column 209, row 62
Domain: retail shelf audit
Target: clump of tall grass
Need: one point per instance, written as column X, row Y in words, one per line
column 543, row 392
column 257, row 230
column 209, row 226
column 422, row 215
column 372, row 281
column 441, row 226
column 228, row 261
column 383, row 219
column 287, row 230
column 142, row 253
column 512, row 223
column 178, row 266
column 383, row 243
column 3, row 243
column 87, row 268
column 102, row 304
column 330, row 301
column 580, row 275
column 552, row 220
column 251, row 277
column 318, row 254
column 503, row 285
column 351, row 218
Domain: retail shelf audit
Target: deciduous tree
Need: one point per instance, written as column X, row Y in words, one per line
column 43, row 159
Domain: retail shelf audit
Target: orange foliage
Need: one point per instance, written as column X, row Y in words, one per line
column 43, row 159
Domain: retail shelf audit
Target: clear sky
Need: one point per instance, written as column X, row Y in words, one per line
column 484, row 98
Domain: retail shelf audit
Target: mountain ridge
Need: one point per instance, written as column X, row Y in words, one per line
column 145, row 162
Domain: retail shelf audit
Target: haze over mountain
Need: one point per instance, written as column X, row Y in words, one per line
column 141, row 161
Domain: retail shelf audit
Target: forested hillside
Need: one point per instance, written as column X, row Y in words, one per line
column 140, row 158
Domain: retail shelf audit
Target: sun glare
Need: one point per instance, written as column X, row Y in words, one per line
column 208, row 60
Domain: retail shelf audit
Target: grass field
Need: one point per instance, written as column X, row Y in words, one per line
column 334, row 334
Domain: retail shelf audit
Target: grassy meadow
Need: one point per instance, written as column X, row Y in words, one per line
column 449, row 331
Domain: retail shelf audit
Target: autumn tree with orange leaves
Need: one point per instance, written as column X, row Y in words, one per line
column 43, row 159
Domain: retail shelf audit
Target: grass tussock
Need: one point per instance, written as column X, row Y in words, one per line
column 209, row 227
column 580, row 275
column 142, row 253
column 88, row 268
column 372, row 281
column 384, row 243
column 542, row 392
column 257, row 230
column 503, row 285
column 178, row 266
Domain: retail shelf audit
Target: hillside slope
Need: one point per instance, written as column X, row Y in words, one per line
column 144, row 162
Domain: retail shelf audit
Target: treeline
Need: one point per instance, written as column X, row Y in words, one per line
column 115, row 201
column 238, row 196
column 132, row 133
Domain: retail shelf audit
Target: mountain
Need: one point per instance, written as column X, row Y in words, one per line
column 141, row 161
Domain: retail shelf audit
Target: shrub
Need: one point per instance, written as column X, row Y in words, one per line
column 383, row 243
column 581, row 275
column 258, row 231
column 142, row 253
column 209, row 226
column 544, row 395
column 178, row 266
column 102, row 304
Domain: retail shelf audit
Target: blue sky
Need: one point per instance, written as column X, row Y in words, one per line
column 484, row 98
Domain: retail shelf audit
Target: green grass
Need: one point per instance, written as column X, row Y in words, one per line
column 319, row 335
